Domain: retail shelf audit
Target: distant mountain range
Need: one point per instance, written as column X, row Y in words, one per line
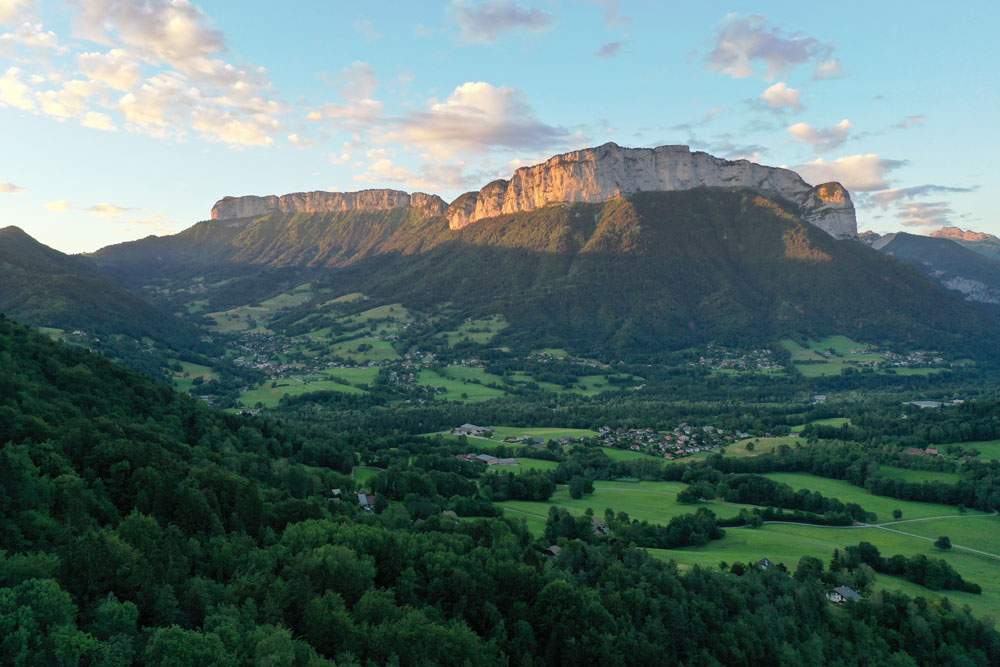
column 642, row 273
column 974, row 275
column 984, row 244
column 41, row 286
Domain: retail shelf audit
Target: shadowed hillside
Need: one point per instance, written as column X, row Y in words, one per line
column 653, row 271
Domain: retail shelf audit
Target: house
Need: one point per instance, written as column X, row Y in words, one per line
column 843, row 594
column 450, row 513
column 473, row 430
column 508, row 462
column 487, row 459
column 765, row 564
column 367, row 501
column 552, row 551
column 600, row 528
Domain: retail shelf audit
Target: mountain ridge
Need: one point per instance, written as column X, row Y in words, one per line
column 589, row 175
column 650, row 271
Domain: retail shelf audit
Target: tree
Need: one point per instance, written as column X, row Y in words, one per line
column 897, row 514
column 943, row 543
column 751, row 446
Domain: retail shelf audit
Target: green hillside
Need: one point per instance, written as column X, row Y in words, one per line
column 141, row 527
column 651, row 272
column 43, row 287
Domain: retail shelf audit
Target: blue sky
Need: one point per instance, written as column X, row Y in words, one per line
column 121, row 119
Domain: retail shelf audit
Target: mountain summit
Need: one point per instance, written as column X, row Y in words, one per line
column 590, row 175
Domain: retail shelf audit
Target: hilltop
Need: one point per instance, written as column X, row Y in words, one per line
column 981, row 242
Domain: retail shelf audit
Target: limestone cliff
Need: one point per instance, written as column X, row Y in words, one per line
column 608, row 171
column 958, row 234
column 325, row 202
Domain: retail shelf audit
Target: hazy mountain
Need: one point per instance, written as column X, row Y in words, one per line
column 984, row 244
column 647, row 272
column 975, row 276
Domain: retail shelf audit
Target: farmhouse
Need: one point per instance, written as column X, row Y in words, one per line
column 842, row 594
column 473, row 430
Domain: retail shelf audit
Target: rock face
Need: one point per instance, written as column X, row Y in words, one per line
column 958, row 234
column 325, row 202
column 608, row 171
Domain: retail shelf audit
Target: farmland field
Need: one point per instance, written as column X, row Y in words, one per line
column 848, row 493
column 919, row 475
column 546, row 432
column 456, row 388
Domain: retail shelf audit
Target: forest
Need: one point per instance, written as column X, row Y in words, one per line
column 142, row 527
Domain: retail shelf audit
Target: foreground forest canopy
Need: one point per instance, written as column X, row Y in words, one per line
column 139, row 526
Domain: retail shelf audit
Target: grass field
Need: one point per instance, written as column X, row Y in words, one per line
column 760, row 446
column 473, row 393
column 919, row 475
column 534, row 464
column 832, row 421
column 784, row 543
column 269, row 396
column 848, row 493
column 650, row 501
column 184, row 380
column 240, row 318
column 805, row 358
column 546, row 432
column 361, row 375
column 377, row 350
column 363, row 475
column 989, row 450
column 477, row 331
column 625, row 454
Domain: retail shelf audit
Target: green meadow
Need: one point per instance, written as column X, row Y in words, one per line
column 848, row 493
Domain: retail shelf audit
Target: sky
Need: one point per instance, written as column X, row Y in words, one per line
column 125, row 118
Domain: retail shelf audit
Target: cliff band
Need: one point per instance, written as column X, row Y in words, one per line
column 588, row 175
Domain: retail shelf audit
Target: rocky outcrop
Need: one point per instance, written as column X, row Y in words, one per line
column 326, row 202
column 958, row 234
column 608, row 171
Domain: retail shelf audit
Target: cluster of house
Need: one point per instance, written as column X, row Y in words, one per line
column 487, row 459
column 916, row 451
column 720, row 358
column 473, row 430
column 684, row 440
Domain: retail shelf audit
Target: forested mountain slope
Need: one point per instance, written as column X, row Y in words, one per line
column 141, row 527
column 653, row 271
column 43, row 287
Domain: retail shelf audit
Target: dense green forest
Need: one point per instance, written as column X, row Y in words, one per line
column 141, row 527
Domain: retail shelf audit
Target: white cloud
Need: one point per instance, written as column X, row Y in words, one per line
column 924, row 214
column 436, row 176
column 8, row 188
column 821, row 139
column 115, row 68
column 14, row 92
column 365, row 27
column 886, row 197
column 780, row 96
column 742, row 41
column 58, row 206
column 171, row 30
column 476, row 116
column 13, row 10
column 360, row 110
column 300, row 142
column 33, row 36
column 483, row 22
column 857, row 173
column 106, row 210
column 98, row 121
column 829, row 69
column 237, row 131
